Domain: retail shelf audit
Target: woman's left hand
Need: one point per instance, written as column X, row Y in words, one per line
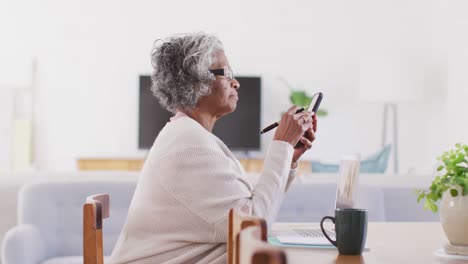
column 306, row 140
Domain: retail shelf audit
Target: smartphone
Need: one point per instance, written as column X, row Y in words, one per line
column 315, row 102
column 313, row 107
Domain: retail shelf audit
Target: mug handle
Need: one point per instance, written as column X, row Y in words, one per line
column 323, row 230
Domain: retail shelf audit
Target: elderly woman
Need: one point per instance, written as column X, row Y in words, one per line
column 190, row 180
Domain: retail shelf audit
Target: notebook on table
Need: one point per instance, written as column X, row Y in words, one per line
column 346, row 193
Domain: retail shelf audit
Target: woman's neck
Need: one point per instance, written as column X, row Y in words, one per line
column 206, row 119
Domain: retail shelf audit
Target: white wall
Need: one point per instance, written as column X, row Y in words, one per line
column 5, row 128
column 90, row 54
column 458, row 68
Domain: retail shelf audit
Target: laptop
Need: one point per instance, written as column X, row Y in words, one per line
column 346, row 193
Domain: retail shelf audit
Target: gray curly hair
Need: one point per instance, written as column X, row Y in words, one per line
column 181, row 66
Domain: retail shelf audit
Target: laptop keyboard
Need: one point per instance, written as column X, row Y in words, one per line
column 314, row 232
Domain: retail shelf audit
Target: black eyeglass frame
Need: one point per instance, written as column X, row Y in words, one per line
column 225, row 71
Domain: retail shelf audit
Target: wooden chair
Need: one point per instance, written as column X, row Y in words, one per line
column 238, row 222
column 253, row 249
column 95, row 209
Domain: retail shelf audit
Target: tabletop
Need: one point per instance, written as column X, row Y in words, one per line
column 387, row 242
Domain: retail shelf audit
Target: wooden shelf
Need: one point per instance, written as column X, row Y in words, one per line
column 110, row 164
column 256, row 165
column 250, row 165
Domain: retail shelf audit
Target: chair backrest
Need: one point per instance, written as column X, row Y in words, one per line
column 238, row 222
column 254, row 250
column 95, row 209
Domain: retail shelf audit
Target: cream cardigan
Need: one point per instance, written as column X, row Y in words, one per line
column 190, row 180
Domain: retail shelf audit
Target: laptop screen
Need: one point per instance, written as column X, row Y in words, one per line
column 346, row 191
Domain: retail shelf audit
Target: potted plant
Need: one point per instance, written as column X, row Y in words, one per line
column 452, row 189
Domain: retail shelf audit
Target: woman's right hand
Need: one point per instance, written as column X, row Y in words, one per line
column 292, row 126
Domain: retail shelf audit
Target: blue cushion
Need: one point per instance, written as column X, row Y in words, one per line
column 376, row 163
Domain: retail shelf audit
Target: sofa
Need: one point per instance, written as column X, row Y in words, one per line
column 49, row 216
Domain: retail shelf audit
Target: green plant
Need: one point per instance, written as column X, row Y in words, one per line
column 455, row 173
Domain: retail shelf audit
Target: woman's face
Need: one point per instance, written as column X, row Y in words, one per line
column 223, row 97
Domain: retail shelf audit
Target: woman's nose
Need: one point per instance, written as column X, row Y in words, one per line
column 236, row 84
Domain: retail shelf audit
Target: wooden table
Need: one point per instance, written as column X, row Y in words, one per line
column 391, row 242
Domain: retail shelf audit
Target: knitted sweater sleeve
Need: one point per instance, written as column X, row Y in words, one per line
column 291, row 177
column 208, row 183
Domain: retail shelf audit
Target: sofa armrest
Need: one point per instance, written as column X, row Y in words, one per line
column 23, row 244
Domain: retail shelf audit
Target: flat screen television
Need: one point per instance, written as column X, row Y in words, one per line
column 238, row 130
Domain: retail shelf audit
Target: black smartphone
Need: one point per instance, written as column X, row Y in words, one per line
column 313, row 107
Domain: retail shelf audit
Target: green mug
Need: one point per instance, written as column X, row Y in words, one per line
column 350, row 229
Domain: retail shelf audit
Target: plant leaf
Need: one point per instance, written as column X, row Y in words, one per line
column 306, row 101
column 297, row 97
column 420, row 196
column 465, row 189
column 322, row 112
column 429, row 205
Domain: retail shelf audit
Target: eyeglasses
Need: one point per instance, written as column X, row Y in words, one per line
column 225, row 71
